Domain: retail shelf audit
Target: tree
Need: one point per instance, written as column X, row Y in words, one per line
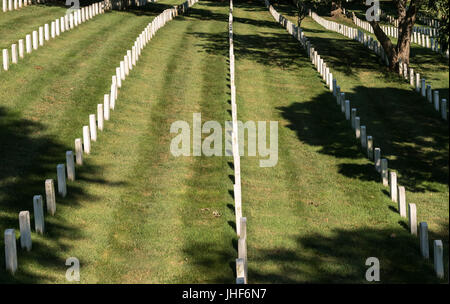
column 302, row 10
column 406, row 19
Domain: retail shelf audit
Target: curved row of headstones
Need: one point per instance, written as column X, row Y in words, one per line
column 419, row 84
column 241, row 222
column 431, row 26
column 10, row 5
column 419, row 36
column 66, row 171
column 49, row 31
column 367, row 143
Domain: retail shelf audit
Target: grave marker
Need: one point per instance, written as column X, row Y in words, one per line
column 10, row 250
column 384, row 171
column 38, row 207
column 412, row 212
column 93, row 127
column 86, row 140
column 25, row 230
column 438, row 259
column 393, row 185
column 70, row 165
column 100, row 116
column 50, row 196
column 61, row 177
column 423, row 236
column 106, row 106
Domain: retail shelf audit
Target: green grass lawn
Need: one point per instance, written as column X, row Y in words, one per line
column 137, row 214
column 334, row 195
column 15, row 25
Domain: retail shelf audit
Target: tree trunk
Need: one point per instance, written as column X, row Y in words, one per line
column 401, row 51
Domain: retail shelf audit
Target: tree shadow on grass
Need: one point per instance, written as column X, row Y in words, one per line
column 340, row 256
column 28, row 158
column 415, row 143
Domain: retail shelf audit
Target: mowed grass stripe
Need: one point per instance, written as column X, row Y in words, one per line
column 209, row 239
column 321, row 211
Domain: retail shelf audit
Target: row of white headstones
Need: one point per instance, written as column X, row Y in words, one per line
column 9, row 5
column 420, row 85
column 367, row 143
column 241, row 222
column 44, row 33
column 431, row 28
column 419, row 36
column 83, row 146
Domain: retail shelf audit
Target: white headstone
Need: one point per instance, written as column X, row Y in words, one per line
column 363, row 137
column 86, row 140
column 112, row 98
column 429, row 94
column 377, row 159
column 402, row 201
column 347, row 109
column 50, row 196
column 100, row 116
column 25, row 230
column 438, row 258
column 70, row 165
column 384, row 172
column 93, row 127
column 342, row 102
column 370, row 147
column 119, row 78
column 35, row 40
column 423, row 87
column 412, row 212
column 130, row 65
column 78, row 151
column 436, row 100
column 423, row 236
column 57, row 27
column 46, row 32
column 353, row 116
column 41, row 36
column 52, row 29
column 242, row 254
column 5, row 59
column 10, row 251
column 122, row 70
column 21, row 48
column 393, row 186
column 240, row 268
column 61, row 177
column 444, row 109
column 106, row 106
column 14, row 58
column 38, row 207
column 125, row 65
column 357, row 127
column 28, row 44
